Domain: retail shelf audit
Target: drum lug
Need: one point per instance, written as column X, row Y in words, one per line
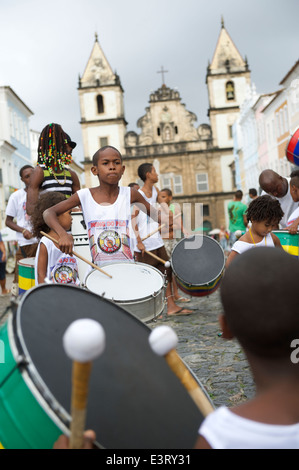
column 22, row 362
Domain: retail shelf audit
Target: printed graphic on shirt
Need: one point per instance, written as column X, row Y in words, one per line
column 65, row 271
column 109, row 240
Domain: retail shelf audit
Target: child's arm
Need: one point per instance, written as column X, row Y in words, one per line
column 50, row 216
column 42, row 264
column 230, row 258
column 276, row 241
column 35, row 182
column 201, row 443
column 151, row 211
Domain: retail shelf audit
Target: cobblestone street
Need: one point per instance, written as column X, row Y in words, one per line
column 219, row 365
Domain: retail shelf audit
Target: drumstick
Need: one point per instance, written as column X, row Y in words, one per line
column 78, row 256
column 163, row 341
column 166, row 263
column 157, row 229
column 83, row 341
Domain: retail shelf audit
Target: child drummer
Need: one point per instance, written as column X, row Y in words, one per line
column 106, row 211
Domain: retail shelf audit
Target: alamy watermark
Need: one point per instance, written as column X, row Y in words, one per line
column 295, row 353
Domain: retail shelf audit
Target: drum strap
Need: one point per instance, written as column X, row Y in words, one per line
column 253, row 238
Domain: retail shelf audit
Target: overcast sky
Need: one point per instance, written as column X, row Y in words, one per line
column 45, row 45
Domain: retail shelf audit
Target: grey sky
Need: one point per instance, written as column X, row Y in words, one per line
column 45, row 45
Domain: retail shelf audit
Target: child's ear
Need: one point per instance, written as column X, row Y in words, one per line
column 226, row 333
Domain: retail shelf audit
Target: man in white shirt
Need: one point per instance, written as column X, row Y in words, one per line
column 18, row 220
column 277, row 186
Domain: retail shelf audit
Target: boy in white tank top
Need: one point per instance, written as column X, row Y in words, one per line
column 154, row 244
column 106, row 211
column 260, row 297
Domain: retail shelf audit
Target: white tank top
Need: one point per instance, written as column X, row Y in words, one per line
column 240, row 246
column 147, row 225
column 108, row 226
column 62, row 268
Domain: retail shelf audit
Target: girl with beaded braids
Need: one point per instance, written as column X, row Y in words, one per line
column 52, row 172
column 265, row 213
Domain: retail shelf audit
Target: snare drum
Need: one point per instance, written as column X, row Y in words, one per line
column 26, row 278
column 136, row 287
column 292, row 150
column 289, row 242
column 135, row 401
column 81, row 243
column 198, row 265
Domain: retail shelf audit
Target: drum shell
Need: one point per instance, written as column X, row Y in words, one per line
column 289, row 241
column 193, row 260
column 145, row 308
column 26, row 419
column 26, row 274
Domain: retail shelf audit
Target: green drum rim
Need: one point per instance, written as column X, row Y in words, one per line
column 25, row 418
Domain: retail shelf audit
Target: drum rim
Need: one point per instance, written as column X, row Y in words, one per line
column 23, row 261
column 219, row 275
column 131, row 263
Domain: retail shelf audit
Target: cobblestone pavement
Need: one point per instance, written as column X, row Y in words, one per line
column 219, row 365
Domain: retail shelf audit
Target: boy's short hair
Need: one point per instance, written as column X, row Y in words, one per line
column 167, row 191
column 239, row 194
column 96, row 156
column 264, row 208
column 295, row 178
column 143, row 169
column 260, row 296
column 252, row 191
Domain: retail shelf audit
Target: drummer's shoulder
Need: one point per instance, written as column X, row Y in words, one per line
column 276, row 241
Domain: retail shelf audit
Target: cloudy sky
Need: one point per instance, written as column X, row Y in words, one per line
column 45, row 45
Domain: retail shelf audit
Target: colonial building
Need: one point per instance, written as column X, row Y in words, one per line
column 196, row 163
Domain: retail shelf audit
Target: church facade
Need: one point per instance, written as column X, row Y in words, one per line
column 196, row 163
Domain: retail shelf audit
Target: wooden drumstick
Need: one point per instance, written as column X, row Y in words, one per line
column 163, row 341
column 78, row 256
column 83, row 341
column 158, row 228
column 166, row 263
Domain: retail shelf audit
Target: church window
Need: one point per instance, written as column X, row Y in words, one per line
column 158, row 131
column 100, row 104
column 176, row 129
column 230, row 90
column 230, row 132
column 202, row 182
column 103, row 141
column 206, row 210
column 177, row 184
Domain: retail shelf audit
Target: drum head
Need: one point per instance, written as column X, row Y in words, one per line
column 197, row 260
column 135, row 401
column 130, row 281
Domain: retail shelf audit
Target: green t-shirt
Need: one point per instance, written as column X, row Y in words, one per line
column 236, row 210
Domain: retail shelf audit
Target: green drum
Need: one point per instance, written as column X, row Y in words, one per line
column 26, row 274
column 289, row 242
column 135, row 401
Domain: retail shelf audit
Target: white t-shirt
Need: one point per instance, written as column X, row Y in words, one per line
column 223, row 429
column 16, row 208
column 287, row 205
column 62, row 268
column 147, row 225
column 240, row 246
column 109, row 227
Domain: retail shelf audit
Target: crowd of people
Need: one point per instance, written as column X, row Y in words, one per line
column 141, row 223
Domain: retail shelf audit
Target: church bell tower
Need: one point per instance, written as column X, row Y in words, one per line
column 101, row 99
